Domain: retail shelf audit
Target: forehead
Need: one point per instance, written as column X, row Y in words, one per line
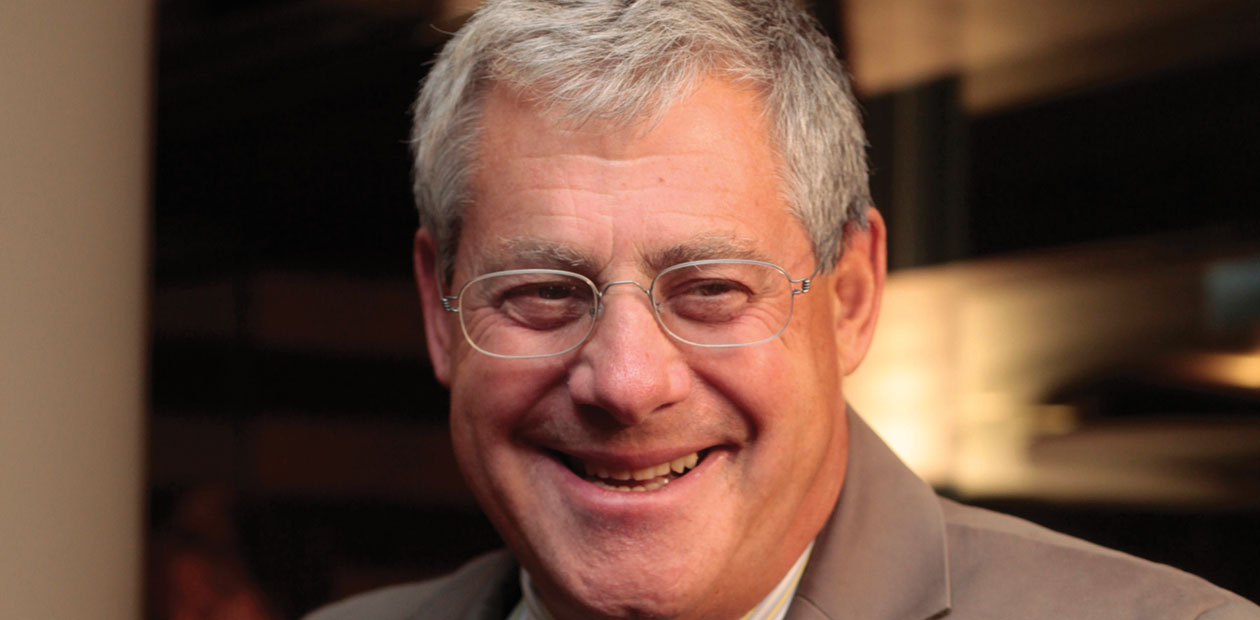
column 702, row 181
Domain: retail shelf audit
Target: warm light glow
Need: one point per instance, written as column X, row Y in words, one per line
column 905, row 388
column 966, row 355
column 1240, row 370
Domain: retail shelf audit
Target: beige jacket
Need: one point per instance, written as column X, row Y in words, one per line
column 892, row 550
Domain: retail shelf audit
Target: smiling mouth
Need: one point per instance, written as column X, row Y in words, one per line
column 635, row 480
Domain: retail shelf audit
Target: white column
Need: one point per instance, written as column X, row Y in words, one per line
column 74, row 165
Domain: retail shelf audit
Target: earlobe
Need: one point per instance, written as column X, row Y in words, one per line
column 437, row 325
column 859, row 287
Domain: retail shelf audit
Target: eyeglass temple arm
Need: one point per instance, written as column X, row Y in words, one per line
column 448, row 301
column 805, row 282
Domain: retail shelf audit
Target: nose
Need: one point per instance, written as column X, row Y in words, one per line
column 629, row 368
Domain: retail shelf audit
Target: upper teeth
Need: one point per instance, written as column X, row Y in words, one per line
column 678, row 466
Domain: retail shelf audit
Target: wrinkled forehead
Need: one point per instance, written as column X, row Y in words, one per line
column 700, row 182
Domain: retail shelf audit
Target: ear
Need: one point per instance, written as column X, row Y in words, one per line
column 437, row 322
column 859, row 286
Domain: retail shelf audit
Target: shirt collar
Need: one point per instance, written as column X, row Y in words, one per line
column 882, row 554
column 773, row 607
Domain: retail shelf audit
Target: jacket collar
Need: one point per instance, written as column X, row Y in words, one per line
column 882, row 555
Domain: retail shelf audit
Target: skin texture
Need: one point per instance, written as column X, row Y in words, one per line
column 620, row 204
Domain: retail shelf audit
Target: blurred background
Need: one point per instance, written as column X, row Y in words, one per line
column 213, row 351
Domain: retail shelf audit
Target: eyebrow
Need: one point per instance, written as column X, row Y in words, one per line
column 705, row 247
column 531, row 253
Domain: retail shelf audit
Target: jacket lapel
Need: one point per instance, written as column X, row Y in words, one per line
column 882, row 555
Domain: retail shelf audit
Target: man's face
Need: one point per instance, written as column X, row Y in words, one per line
column 765, row 421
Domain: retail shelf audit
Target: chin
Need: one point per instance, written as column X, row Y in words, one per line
column 660, row 598
column 632, row 587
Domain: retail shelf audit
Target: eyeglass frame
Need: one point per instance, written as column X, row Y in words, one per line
column 449, row 301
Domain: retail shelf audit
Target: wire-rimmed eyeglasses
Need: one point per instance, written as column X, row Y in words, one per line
column 530, row 313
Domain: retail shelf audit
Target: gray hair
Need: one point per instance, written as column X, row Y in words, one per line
column 624, row 61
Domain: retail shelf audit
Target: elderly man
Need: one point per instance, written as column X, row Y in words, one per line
column 647, row 263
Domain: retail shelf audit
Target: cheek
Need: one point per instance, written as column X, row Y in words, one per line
column 799, row 370
column 787, row 392
column 757, row 382
column 490, row 397
column 491, row 400
column 812, row 339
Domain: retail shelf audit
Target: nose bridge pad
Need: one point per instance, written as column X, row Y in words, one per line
column 653, row 307
column 604, row 291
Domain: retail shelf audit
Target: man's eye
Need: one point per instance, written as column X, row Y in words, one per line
column 537, row 293
column 554, row 291
column 709, row 301
column 543, row 305
column 710, row 288
column 700, row 289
